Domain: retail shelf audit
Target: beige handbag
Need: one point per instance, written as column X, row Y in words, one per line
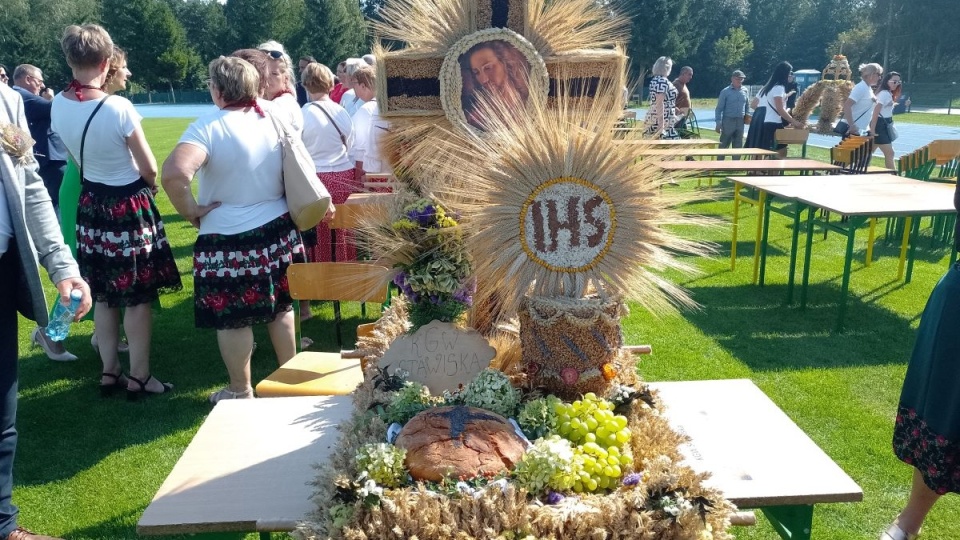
column 307, row 197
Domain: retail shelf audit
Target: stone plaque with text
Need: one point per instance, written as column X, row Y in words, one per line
column 439, row 355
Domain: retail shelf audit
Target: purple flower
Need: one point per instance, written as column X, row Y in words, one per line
column 632, row 479
column 554, row 498
column 435, row 299
column 424, row 217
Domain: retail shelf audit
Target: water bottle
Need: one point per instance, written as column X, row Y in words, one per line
column 62, row 316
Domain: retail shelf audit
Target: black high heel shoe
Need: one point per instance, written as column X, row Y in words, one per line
column 133, row 395
column 119, row 382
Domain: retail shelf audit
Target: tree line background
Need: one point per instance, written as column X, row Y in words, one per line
column 170, row 42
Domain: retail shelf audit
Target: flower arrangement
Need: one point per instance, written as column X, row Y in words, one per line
column 434, row 278
column 17, row 143
column 606, row 463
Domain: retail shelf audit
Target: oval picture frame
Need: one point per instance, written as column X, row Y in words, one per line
column 455, row 95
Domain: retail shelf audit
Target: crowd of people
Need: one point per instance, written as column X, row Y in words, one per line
column 867, row 111
column 87, row 211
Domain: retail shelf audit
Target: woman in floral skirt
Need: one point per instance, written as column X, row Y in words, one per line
column 123, row 250
column 927, row 431
column 247, row 239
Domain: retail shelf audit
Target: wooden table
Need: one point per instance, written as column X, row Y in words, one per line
column 860, row 202
column 861, row 198
column 747, row 166
column 248, row 466
column 771, row 465
column 706, row 153
column 783, row 187
column 671, row 143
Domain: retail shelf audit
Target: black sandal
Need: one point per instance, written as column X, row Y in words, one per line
column 107, row 390
column 133, row 395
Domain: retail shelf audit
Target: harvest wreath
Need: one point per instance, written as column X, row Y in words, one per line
column 498, row 459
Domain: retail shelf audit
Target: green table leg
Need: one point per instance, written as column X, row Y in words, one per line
column 765, row 208
column 914, row 236
column 806, row 258
column 794, row 241
column 791, row 522
column 852, row 224
column 761, row 204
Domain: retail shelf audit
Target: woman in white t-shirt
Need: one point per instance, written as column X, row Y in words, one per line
column 858, row 107
column 247, row 239
column 773, row 97
column 887, row 95
column 329, row 136
column 123, row 250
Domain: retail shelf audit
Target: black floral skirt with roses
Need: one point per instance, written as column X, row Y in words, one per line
column 122, row 249
column 927, row 430
column 241, row 279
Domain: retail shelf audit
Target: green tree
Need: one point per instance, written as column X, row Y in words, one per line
column 206, row 27
column 333, row 30
column 157, row 49
column 730, row 51
column 249, row 22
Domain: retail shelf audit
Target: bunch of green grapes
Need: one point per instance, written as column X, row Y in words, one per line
column 598, row 468
column 602, row 454
column 591, row 419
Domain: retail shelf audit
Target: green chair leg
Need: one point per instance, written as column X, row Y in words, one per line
column 791, row 522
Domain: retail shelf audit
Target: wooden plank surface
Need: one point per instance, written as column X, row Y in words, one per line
column 670, row 143
column 248, row 466
column 768, row 183
column 880, row 200
column 777, row 165
column 757, row 455
column 705, row 152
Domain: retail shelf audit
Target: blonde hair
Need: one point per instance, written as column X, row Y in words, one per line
column 235, row 78
column 662, row 66
column 86, row 46
column 317, row 78
column 366, row 76
column 117, row 62
column 869, row 69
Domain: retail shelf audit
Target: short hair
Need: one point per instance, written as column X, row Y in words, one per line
column 353, row 64
column 86, row 46
column 317, row 78
column 308, row 59
column 26, row 70
column 868, row 69
column 235, row 78
column 370, row 59
column 686, row 69
column 662, row 66
column 259, row 60
column 366, row 76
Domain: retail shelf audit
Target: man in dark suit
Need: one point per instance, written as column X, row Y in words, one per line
column 29, row 237
column 301, row 91
column 48, row 150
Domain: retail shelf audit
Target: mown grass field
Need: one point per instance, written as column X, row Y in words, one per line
column 87, row 467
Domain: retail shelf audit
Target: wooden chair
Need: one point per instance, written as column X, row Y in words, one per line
column 322, row 373
column 340, row 282
column 853, row 154
column 793, row 136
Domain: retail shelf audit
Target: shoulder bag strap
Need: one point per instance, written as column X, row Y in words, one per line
column 324, row 111
column 83, row 138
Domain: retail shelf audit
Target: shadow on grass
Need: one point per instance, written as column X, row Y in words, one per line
column 756, row 326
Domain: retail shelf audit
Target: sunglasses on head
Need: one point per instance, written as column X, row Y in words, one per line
column 276, row 55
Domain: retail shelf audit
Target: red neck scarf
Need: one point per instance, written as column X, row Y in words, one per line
column 280, row 93
column 78, row 88
column 245, row 103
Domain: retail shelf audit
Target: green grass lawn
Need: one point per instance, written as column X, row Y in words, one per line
column 87, row 467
